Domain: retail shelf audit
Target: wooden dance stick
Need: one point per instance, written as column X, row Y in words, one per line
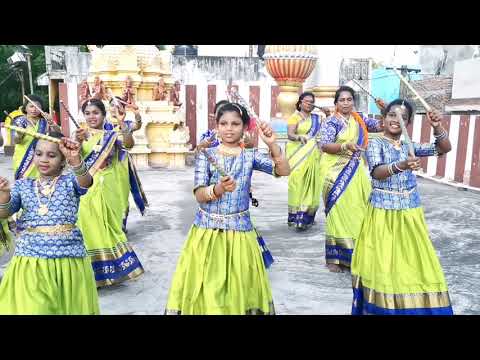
column 369, row 94
column 212, row 161
column 240, row 100
column 411, row 150
column 33, row 134
column 69, row 114
column 123, row 102
column 44, row 114
column 410, row 87
column 114, row 98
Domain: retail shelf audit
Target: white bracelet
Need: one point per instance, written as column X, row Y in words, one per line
column 396, row 167
column 390, row 169
column 441, row 136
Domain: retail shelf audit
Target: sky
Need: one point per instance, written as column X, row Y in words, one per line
column 404, row 54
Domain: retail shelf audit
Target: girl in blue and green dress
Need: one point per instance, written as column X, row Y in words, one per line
column 304, row 158
column 32, row 119
column 395, row 269
column 221, row 270
column 50, row 272
column 344, row 181
column 103, row 210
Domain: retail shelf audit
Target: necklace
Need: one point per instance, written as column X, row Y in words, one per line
column 33, row 124
column 228, row 151
column 343, row 118
column 397, row 144
column 46, row 188
column 99, row 144
column 43, row 208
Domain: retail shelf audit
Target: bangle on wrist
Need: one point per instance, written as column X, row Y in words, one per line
column 395, row 165
column 73, row 167
column 80, row 170
column 443, row 135
column 6, row 206
column 390, row 169
column 213, row 191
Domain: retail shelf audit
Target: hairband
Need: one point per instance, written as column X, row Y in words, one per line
column 233, row 104
column 239, row 109
column 218, row 109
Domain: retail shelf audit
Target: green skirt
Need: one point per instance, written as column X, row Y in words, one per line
column 63, row 286
column 220, row 272
column 100, row 219
column 395, row 268
column 344, row 221
column 303, row 186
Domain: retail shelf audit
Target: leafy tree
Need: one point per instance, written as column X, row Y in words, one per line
column 11, row 88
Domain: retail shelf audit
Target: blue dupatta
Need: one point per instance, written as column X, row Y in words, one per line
column 27, row 161
column 348, row 169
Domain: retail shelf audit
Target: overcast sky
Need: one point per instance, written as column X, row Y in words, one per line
column 404, row 54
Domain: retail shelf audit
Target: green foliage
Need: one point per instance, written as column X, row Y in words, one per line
column 11, row 89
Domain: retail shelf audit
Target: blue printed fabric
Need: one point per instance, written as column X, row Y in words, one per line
column 63, row 208
column 332, row 126
column 240, row 168
column 379, row 152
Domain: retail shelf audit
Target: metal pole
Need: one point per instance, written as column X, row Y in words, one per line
column 30, row 72
column 22, row 82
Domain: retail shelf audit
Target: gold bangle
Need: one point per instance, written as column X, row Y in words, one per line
column 205, row 193
column 210, row 195
column 215, row 197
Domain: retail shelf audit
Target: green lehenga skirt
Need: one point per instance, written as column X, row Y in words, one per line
column 34, row 286
column 395, row 269
column 100, row 219
column 345, row 218
column 303, row 184
column 220, row 272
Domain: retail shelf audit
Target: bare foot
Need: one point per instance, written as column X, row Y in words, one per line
column 334, row 268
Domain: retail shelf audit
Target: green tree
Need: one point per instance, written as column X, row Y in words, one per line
column 11, row 88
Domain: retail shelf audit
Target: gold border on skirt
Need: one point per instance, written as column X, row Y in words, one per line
column 346, row 243
column 303, row 208
column 402, row 301
column 107, row 254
